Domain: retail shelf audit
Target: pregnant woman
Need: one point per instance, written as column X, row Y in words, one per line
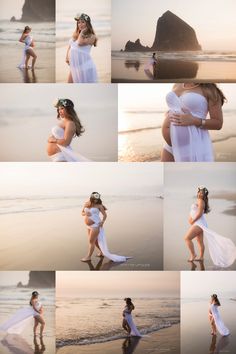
column 19, row 320
column 128, row 323
column 222, row 250
column 82, row 67
column 215, row 319
column 186, row 125
column 69, row 126
column 91, row 212
column 28, row 49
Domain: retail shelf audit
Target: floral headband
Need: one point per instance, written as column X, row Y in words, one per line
column 95, row 195
column 62, row 102
column 204, row 189
column 82, row 17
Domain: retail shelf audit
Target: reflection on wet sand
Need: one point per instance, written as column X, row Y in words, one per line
column 132, row 64
column 28, row 76
column 18, row 345
column 216, row 348
column 129, row 345
column 107, row 265
column 172, row 69
column 193, row 265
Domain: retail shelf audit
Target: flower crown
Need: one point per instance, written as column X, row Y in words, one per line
column 201, row 188
column 95, row 195
column 62, row 102
column 82, row 17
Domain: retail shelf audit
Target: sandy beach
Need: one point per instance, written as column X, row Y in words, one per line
column 57, row 239
column 165, row 340
column 44, row 68
column 196, row 332
column 131, row 68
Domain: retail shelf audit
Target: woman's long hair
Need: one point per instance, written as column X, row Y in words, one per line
column 89, row 32
column 213, row 92
column 72, row 116
column 93, row 201
column 205, row 198
column 33, row 296
column 216, row 300
column 27, row 28
column 129, row 303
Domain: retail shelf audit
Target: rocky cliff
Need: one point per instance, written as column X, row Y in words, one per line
column 39, row 280
column 172, row 34
column 38, row 11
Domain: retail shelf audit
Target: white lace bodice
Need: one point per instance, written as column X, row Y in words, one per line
column 193, row 102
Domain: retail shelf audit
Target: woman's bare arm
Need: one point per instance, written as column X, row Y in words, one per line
column 22, row 38
column 67, row 55
column 68, row 135
column 83, row 40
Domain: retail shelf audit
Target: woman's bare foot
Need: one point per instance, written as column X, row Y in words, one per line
column 193, row 258
column 199, row 259
column 100, row 254
column 86, row 259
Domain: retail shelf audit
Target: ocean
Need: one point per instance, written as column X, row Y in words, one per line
column 85, row 321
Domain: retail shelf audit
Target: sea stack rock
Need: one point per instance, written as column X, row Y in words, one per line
column 38, row 11
column 173, row 34
column 42, row 279
column 135, row 46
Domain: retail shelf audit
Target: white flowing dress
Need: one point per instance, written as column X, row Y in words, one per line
column 189, row 143
column 128, row 316
column 95, row 217
column 66, row 153
column 19, row 320
column 222, row 250
column 222, row 329
column 28, row 40
column 82, row 66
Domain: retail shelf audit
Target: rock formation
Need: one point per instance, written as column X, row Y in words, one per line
column 135, row 46
column 42, row 279
column 172, row 34
column 38, row 11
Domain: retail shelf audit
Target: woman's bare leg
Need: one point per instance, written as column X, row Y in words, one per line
column 31, row 52
column 36, row 322
column 27, row 60
column 193, row 232
column 166, row 156
column 92, row 240
column 40, row 320
column 201, row 246
column 70, row 79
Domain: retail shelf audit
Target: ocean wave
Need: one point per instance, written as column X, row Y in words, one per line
column 139, row 130
column 110, row 337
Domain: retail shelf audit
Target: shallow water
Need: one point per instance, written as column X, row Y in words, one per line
column 129, row 66
column 86, row 321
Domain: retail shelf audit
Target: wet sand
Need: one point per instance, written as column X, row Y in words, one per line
column 196, row 332
column 52, row 240
column 166, row 340
column 44, row 68
column 221, row 220
column 134, row 71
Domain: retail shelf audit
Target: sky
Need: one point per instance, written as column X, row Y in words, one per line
column 213, row 21
column 204, row 284
column 120, row 284
column 11, row 8
column 152, row 97
column 69, row 8
column 187, row 177
column 12, row 278
column 72, row 179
